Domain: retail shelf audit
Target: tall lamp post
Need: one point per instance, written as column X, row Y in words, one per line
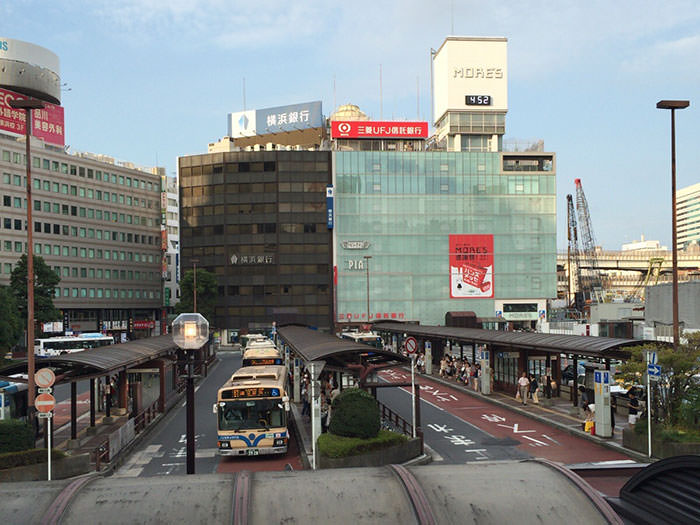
column 367, row 258
column 673, row 105
column 190, row 332
column 28, row 105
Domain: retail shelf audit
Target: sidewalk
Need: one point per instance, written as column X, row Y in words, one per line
column 558, row 415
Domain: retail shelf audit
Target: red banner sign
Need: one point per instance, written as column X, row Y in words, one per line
column 471, row 266
column 47, row 123
column 144, row 325
column 373, row 129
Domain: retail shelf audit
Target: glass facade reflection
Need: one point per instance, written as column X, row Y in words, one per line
column 401, row 208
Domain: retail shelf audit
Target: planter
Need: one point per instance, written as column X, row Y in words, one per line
column 387, row 456
column 66, row 467
column 659, row 449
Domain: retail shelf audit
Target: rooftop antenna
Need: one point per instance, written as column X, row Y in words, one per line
column 381, row 110
column 244, row 108
column 335, row 104
column 452, row 16
column 417, row 97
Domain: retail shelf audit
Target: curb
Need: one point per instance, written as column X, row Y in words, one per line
column 641, row 458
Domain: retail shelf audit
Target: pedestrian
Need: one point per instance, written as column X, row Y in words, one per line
column 583, row 400
column 533, row 389
column 633, row 408
column 523, row 386
column 305, row 393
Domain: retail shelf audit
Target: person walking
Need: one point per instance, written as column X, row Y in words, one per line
column 523, row 386
column 533, row 389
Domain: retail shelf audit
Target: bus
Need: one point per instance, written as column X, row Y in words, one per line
column 368, row 338
column 54, row 346
column 13, row 398
column 248, row 338
column 262, row 356
column 251, row 412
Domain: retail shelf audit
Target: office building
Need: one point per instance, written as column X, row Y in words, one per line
column 446, row 223
column 688, row 215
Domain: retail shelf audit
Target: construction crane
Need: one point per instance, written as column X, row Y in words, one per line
column 592, row 282
column 651, row 277
column 575, row 295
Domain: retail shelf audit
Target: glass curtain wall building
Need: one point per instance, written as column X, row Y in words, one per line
column 428, row 219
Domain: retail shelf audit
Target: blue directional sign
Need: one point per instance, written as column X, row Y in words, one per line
column 654, row 370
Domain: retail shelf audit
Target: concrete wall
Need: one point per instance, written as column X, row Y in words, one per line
column 60, row 469
column 659, row 304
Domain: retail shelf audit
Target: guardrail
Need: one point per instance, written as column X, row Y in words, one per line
column 396, row 420
column 101, row 454
column 142, row 420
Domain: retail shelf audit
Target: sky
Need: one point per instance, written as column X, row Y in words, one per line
column 147, row 81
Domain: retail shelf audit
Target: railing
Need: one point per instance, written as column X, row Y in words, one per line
column 101, row 454
column 142, row 420
column 395, row 420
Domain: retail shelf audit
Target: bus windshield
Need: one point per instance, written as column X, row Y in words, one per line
column 251, row 414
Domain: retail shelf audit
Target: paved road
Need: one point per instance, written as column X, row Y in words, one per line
column 163, row 452
column 463, row 428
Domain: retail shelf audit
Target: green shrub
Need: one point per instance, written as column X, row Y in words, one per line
column 354, row 413
column 28, row 457
column 15, row 435
column 675, row 434
column 333, row 446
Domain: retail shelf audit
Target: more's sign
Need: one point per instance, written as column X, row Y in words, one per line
column 376, row 129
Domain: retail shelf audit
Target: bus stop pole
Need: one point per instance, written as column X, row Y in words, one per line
column 648, row 405
column 49, row 443
column 413, row 393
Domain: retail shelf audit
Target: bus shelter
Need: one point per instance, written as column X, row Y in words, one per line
column 331, row 355
column 116, row 374
column 508, row 354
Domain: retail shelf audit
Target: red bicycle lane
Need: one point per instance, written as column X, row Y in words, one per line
column 535, row 438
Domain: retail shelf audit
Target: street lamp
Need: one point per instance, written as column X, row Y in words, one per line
column 673, row 105
column 190, row 332
column 367, row 258
column 28, row 105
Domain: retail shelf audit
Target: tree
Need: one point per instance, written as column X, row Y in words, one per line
column 676, row 387
column 207, row 291
column 45, row 282
column 10, row 320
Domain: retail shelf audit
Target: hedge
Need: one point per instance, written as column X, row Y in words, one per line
column 28, row 457
column 15, row 435
column 333, row 446
column 354, row 413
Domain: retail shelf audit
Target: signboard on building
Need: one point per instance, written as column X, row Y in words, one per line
column 144, row 324
column 373, row 129
column 20, row 51
column 241, row 124
column 468, row 72
column 471, row 266
column 355, row 245
column 329, row 206
column 283, row 119
column 47, row 123
column 252, row 259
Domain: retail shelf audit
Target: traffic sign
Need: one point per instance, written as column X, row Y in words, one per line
column 411, row 345
column 652, row 358
column 44, row 415
column 44, row 378
column 45, row 390
column 654, row 370
column 45, row 402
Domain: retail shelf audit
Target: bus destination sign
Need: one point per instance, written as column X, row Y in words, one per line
column 237, row 393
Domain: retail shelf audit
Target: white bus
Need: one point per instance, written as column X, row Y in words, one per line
column 53, row 346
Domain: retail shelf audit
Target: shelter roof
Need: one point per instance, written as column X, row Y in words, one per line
column 609, row 347
column 100, row 361
column 312, row 345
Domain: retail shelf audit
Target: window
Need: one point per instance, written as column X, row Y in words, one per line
column 73, row 190
column 81, row 192
column 55, row 187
